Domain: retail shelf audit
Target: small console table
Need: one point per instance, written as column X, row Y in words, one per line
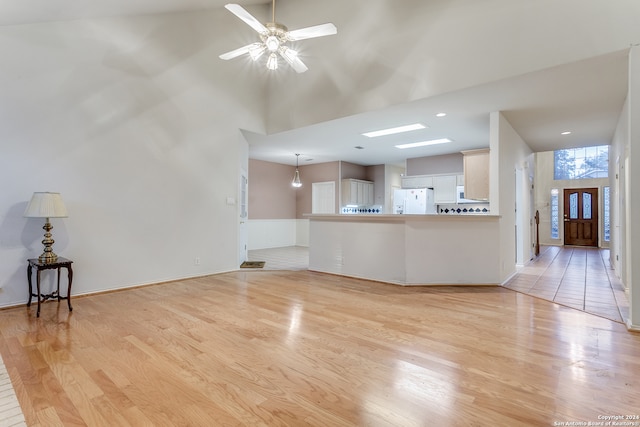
column 39, row 266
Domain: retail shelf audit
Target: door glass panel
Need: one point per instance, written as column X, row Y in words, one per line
column 586, row 206
column 607, row 220
column 573, row 206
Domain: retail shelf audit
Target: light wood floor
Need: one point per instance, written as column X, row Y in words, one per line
column 300, row 348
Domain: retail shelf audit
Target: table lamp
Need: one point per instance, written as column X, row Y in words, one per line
column 46, row 205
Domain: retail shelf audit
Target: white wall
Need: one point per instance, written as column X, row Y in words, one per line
column 617, row 174
column 277, row 233
column 631, row 190
column 135, row 123
column 302, row 232
column 508, row 153
column 625, row 176
column 272, row 233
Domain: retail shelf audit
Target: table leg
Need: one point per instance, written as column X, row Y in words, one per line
column 38, row 288
column 58, row 288
column 70, row 273
column 30, row 286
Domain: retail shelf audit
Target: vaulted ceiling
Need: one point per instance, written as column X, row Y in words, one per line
column 581, row 93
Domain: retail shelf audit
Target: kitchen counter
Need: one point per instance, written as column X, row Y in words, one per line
column 397, row 217
column 407, row 249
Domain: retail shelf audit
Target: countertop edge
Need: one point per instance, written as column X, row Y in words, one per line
column 400, row 217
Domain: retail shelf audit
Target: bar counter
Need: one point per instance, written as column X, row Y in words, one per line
column 407, row 249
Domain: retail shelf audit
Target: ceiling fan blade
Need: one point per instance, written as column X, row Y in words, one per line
column 237, row 52
column 241, row 13
column 321, row 30
column 291, row 56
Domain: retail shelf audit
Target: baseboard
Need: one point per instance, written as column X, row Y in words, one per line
column 504, row 282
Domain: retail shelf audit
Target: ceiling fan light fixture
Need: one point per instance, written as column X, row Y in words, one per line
column 272, row 43
column 256, row 51
column 272, row 62
column 274, row 38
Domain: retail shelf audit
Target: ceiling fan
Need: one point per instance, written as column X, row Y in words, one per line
column 274, row 38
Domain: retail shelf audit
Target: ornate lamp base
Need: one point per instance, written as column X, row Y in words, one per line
column 48, row 255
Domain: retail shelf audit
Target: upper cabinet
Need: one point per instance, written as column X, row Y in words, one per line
column 417, row 181
column 357, row 192
column 444, row 187
column 476, row 174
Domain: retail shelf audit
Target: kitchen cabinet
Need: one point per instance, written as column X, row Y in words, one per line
column 417, row 181
column 476, row 174
column 357, row 192
column 444, row 187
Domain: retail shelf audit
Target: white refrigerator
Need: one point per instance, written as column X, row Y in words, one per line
column 413, row 201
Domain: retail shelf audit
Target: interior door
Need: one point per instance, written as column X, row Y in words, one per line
column 581, row 216
column 323, row 197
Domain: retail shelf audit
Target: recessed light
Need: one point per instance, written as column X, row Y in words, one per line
column 392, row 131
column 566, row 133
column 441, row 114
column 423, row 143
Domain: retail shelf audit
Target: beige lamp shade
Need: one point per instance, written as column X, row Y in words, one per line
column 46, row 205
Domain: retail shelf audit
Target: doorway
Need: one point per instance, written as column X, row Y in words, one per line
column 581, row 217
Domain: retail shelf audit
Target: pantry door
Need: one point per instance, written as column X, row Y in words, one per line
column 581, row 217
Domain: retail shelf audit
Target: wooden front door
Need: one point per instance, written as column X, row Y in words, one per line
column 581, row 217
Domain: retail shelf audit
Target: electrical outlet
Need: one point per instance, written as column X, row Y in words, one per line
column 196, row 261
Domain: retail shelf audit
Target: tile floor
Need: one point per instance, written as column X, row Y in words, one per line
column 577, row 277
column 10, row 411
column 581, row 278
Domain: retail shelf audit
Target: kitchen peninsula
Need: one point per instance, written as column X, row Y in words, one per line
column 407, row 249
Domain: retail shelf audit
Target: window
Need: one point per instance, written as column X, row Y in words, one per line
column 605, row 208
column 554, row 214
column 581, row 163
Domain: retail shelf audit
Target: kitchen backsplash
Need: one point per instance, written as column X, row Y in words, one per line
column 464, row 209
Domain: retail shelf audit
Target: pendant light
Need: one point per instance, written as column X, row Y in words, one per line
column 296, row 177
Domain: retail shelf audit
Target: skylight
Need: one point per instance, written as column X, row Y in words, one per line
column 424, row 143
column 392, row 131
